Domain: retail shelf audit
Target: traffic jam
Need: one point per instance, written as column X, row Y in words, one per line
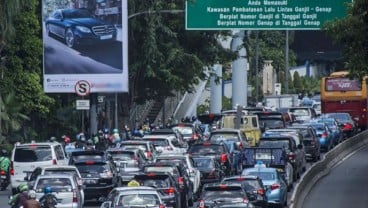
column 232, row 159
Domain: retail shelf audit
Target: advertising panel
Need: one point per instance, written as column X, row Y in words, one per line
column 85, row 40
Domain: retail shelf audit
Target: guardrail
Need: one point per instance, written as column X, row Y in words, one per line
column 323, row 167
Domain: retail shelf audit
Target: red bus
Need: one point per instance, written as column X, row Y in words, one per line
column 339, row 93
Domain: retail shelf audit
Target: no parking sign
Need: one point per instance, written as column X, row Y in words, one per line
column 82, row 88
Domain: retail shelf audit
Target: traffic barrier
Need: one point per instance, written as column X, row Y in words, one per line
column 323, row 167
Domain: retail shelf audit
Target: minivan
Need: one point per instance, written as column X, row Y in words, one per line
column 26, row 157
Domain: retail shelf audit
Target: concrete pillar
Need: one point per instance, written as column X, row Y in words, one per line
column 93, row 114
column 216, row 89
column 239, row 71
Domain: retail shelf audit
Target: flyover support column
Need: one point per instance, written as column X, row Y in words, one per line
column 239, row 71
column 216, row 89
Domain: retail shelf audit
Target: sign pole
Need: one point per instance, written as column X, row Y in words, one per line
column 82, row 118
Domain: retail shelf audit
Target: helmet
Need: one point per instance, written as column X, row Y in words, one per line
column 89, row 142
column 31, row 194
column 4, row 152
column 23, row 187
column 66, row 139
column 52, row 139
column 83, row 138
column 115, row 131
column 47, row 190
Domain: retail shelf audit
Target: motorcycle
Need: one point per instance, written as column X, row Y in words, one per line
column 48, row 201
column 4, row 180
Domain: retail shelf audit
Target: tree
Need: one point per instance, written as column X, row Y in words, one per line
column 351, row 32
column 163, row 56
column 297, row 81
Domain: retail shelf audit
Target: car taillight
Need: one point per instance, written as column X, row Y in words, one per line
column 54, row 162
column 347, row 126
column 75, row 199
column 181, row 181
column 149, row 155
column 324, row 135
column 2, row 172
column 170, row 190
column 223, row 158
column 201, row 203
column 11, row 168
column 195, row 136
column 261, row 192
column 162, row 206
column 246, row 200
column 275, row 186
column 291, row 156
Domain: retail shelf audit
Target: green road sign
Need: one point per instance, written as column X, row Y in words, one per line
column 262, row 14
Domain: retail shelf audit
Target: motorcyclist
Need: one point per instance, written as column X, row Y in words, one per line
column 48, row 200
column 32, row 202
column 89, row 145
column 52, row 139
column 5, row 163
column 19, row 199
column 115, row 138
column 81, row 141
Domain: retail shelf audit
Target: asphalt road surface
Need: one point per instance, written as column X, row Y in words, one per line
column 345, row 186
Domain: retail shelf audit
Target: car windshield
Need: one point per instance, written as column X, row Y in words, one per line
column 203, row 163
column 249, row 184
column 206, row 149
column 263, row 175
column 272, row 123
column 32, row 153
column 183, row 129
column 222, row 193
column 56, row 184
column 159, row 142
column 218, row 137
column 300, row 112
column 87, row 168
column 135, row 146
column 339, row 116
column 161, row 169
column 144, row 200
column 121, row 155
column 318, row 127
column 60, row 171
column 76, row 13
column 155, row 183
column 274, row 143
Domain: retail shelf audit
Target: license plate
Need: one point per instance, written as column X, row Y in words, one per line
column 260, row 156
column 105, row 37
column 90, row 181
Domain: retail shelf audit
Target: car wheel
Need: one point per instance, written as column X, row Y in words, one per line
column 69, row 38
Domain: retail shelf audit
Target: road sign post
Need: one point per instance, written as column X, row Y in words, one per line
column 82, row 88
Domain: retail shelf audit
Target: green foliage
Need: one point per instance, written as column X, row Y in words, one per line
column 351, row 32
column 297, row 81
column 205, row 108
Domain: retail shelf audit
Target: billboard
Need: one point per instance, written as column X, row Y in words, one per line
column 85, row 40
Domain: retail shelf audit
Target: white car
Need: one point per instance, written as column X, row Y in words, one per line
column 165, row 144
column 194, row 173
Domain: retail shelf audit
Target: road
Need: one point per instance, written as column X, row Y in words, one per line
column 345, row 186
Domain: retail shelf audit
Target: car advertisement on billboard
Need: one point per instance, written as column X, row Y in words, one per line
column 85, row 40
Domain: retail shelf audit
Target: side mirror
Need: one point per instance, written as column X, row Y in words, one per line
column 106, row 204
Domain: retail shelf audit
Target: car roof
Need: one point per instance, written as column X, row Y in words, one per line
column 56, row 176
column 38, row 143
column 134, row 142
column 260, row 169
column 57, row 167
column 135, row 188
column 226, row 130
column 224, row 183
column 252, row 177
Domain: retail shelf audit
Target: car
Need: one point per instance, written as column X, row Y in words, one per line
column 194, row 173
column 209, row 168
column 337, row 133
column 79, row 27
column 141, row 196
column 165, row 144
column 324, row 134
column 190, row 131
column 236, row 140
column 276, row 187
column 271, row 120
column 348, row 124
column 164, row 183
column 219, row 151
column 222, row 192
column 63, row 186
column 128, row 162
column 179, row 172
column 254, row 188
column 312, row 147
column 26, row 157
column 168, row 131
column 99, row 177
column 149, row 150
column 303, row 114
column 295, row 153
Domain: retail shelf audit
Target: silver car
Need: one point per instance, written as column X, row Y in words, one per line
column 64, row 187
column 140, row 196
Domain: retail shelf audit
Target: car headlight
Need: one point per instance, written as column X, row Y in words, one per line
column 83, row 29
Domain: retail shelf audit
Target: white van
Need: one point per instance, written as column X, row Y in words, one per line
column 26, row 157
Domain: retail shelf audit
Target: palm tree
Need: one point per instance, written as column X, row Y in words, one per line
column 11, row 114
column 8, row 10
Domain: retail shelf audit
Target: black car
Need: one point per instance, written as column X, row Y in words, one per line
column 99, row 177
column 179, row 172
column 85, row 155
column 347, row 124
column 311, row 143
column 271, row 120
column 226, row 192
column 219, row 151
column 254, row 188
column 163, row 182
column 79, row 27
column 210, row 169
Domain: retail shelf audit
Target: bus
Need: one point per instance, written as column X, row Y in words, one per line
column 339, row 93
